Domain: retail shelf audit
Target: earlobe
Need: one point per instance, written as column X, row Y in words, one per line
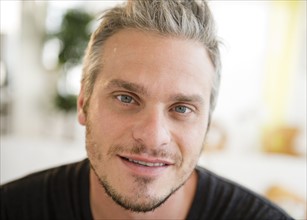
column 81, row 117
column 80, row 108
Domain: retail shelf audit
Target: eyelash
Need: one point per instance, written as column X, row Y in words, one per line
column 182, row 106
column 118, row 97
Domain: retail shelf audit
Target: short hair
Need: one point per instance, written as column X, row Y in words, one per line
column 187, row 19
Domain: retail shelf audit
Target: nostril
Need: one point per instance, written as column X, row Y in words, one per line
column 150, row 137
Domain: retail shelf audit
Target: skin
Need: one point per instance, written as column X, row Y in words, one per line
column 150, row 103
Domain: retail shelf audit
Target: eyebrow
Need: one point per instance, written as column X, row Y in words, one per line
column 118, row 83
column 186, row 98
column 136, row 88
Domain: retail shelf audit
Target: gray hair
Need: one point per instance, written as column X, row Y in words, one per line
column 188, row 19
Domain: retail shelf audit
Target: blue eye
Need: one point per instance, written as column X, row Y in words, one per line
column 125, row 99
column 182, row 109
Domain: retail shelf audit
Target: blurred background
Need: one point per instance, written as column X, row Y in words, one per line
column 258, row 134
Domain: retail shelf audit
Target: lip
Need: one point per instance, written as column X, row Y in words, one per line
column 147, row 159
column 142, row 170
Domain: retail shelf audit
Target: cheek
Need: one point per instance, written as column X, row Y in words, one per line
column 192, row 140
column 108, row 126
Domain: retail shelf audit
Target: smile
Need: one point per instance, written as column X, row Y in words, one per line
column 144, row 166
column 146, row 163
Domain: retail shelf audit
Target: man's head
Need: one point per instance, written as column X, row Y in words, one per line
column 149, row 86
column 184, row 19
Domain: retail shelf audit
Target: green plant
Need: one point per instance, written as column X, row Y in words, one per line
column 74, row 34
column 66, row 103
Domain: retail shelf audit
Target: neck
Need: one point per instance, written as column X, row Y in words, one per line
column 176, row 207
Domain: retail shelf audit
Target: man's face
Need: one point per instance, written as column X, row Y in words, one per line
column 147, row 116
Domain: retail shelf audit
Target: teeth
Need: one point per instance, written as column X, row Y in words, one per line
column 147, row 164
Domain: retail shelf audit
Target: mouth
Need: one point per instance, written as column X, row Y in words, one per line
column 144, row 166
column 144, row 163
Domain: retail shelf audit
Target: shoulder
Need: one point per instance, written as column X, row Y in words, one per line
column 35, row 192
column 225, row 199
column 38, row 179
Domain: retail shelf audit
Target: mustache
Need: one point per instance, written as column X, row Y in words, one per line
column 141, row 149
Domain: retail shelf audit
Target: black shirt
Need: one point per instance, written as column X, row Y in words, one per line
column 63, row 193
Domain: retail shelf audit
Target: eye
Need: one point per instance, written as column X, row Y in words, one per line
column 182, row 109
column 125, row 99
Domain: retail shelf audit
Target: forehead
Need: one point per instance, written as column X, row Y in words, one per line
column 145, row 56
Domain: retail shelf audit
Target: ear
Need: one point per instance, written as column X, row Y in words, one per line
column 80, row 107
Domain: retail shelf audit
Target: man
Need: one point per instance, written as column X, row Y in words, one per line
column 150, row 80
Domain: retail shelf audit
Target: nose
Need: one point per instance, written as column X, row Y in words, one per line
column 152, row 130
